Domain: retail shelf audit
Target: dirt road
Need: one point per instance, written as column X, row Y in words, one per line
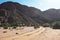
column 38, row 34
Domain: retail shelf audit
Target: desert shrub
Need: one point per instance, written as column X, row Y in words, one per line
column 36, row 26
column 27, row 25
column 14, row 27
column 5, row 24
column 16, row 33
column 56, row 26
column 32, row 24
column 5, row 27
column 46, row 25
column 13, row 24
column 4, row 31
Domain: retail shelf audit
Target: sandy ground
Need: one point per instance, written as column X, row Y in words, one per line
column 29, row 33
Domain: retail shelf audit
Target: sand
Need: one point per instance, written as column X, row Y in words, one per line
column 29, row 33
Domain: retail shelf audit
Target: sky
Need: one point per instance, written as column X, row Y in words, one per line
column 40, row 4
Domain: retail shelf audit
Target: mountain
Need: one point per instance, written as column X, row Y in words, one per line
column 53, row 14
column 13, row 12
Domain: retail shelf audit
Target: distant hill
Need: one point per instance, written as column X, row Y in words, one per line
column 53, row 14
column 12, row 12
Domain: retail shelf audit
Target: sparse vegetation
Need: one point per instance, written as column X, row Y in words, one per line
column 46, row 25
column 56, row 25
column 14, row 27
column 5, row 27
column 36, row 26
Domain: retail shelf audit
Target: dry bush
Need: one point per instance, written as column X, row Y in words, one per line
column 36, row 26
column 4, row 31
column 16, row 33
column 5, row 27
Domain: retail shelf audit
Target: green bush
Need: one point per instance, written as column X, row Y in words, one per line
column 56, row 26
column 46, row 25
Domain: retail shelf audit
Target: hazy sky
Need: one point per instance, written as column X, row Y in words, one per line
column 40, row 4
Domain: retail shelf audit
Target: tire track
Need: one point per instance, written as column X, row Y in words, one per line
column 17, row 35
column 37, row 31
column 27, row 35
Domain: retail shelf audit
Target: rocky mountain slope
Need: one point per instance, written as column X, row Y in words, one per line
column 12, row 12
